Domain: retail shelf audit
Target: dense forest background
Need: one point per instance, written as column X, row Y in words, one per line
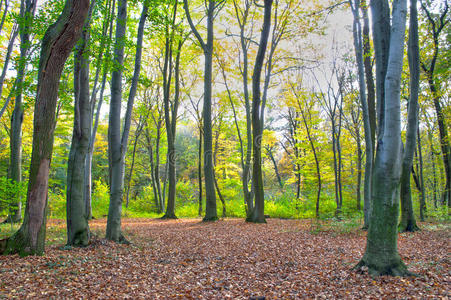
column 312, row 146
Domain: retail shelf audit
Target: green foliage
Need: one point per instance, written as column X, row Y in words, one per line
column 57, row 204
column 10, row 191
column 440, row 213
column 100, row 199
column 185, row 193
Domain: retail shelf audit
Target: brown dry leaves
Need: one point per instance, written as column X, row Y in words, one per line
column 187, row 259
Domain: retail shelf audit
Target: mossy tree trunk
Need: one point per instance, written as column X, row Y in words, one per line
column 381, row 254
column 57, row 44
column 76, row 214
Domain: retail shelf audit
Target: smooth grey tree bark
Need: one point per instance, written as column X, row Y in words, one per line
column 27, row 11
column 57, row 44
column 368, row 130
column 117, row 142
column 421, row 177
column 170, row 110
column 408, row 222
column 258, row 213
column 381, row 254
column 368, row 66
column 76, row 214
column 207, row 47
column 246, row 156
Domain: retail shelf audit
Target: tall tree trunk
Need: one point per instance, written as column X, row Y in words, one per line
column 210, row 204
column 27, row 9
column 423, row 191
column 408, row 222
column 117, row 142
column 76, row 214
column 108, row 27
column 334, row 151
column 170, row 114
column 381, row 254
column 199, row 169
column 258, row 213
column 152, row 179
column 340, row 160
column 57, row 44
column 368, row 66
column 381, row 40
column 89, row 156
column 116, row 167
column 359, row 169
column 221, row 198
column 132, row 165
column 368, row 130
column 437, row 27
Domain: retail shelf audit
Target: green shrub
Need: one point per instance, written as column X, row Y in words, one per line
column 100, row 199
column 9, row 193
column 57, row 204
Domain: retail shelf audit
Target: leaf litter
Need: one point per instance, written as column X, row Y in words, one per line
column 228, row 259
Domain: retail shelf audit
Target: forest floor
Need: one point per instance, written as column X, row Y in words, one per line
column 188, row 259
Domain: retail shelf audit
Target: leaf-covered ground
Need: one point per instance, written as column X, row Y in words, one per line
column 188, row 259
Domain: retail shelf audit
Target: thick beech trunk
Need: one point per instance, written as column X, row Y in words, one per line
column 381, row 254
column 116, row 166
column 76, row 214
column 57, row 44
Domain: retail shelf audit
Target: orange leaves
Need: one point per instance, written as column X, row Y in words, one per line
column 187, row 259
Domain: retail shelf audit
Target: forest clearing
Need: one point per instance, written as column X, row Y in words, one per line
column 229, row 259
column 304, row 144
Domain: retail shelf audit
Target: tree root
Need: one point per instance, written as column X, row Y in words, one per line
column 410, row 227
column 169, row 217
column 123, row 240
column 3, row 244
column 210, row 219
column 397, row 269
